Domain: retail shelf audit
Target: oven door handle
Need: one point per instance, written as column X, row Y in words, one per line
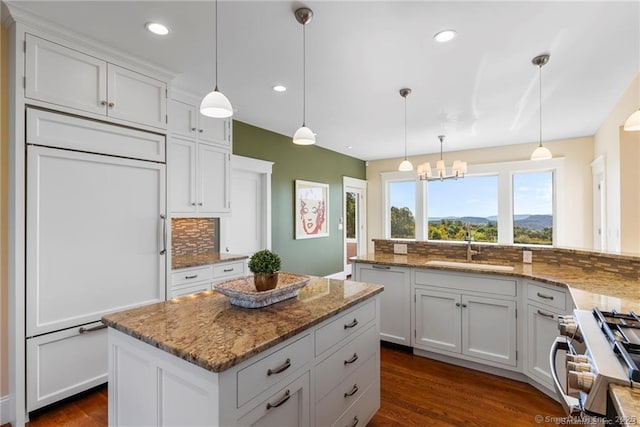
column 570, row 404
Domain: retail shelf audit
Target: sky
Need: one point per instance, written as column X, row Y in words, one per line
column 477, row 195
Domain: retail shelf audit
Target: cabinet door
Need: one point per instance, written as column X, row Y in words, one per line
column 542, row 329
column 288, row 406
column 395, row 301
column 182, row 119
column 212, row 130
column 213, row 179
column 489, row 329
column 181, row 166
column 136, row 98
column 64, row 76
column 438, row 323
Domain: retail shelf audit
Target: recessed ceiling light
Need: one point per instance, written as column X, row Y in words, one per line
column 157, row 28
column 349, row 147
column 279, row 88
column 445, row 36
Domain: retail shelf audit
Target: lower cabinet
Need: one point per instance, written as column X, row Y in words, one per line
column 395, row 301
column 186, row 281
column 476, row 326
column 542, row 330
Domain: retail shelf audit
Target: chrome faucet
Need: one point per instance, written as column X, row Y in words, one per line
column 470, row 252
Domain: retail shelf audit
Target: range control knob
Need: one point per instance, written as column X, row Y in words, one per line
column 578, row 367
column 581, row 380
column 567, row 326
column 578, row 358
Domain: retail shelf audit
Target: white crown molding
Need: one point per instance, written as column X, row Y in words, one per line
column 19, row 14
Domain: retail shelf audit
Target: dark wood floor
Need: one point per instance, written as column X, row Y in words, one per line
column 415, row 392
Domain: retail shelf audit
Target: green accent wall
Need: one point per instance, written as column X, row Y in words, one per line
column 320, row 256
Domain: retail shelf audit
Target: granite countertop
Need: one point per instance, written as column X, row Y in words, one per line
column 185, row 261
column 588, row 287
column 234, row 334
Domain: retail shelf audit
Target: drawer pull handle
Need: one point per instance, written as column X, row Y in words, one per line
column 352, row 324
column 228, row 270
column 353, row 359
column 353, row 391
column 354, row 423
column 191, row 277
column 84, row 330
column 545, row 296
column 542, row 313
column 382, row 267
column 281, row 368
column 280, row 401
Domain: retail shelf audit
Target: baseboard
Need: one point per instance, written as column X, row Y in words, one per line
column 339, row 275
column 5, row 409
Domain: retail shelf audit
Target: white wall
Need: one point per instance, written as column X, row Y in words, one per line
column 578, row 155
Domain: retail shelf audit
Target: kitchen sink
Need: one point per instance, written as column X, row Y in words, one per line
column 469, row 265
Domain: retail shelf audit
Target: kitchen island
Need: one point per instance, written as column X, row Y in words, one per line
column 198, row 360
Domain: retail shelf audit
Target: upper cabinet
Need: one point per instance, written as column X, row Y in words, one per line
column 185, row 120
column 69, row 78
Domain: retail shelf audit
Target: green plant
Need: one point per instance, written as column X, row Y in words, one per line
column 264, row 261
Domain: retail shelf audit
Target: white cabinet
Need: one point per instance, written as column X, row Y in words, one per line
column 185, row 281
column 456, row 319
column 198, row 178
column 185, row 120
column 544, row 304
column 395, row 301
column 69, row 78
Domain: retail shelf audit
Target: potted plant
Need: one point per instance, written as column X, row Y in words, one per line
column 264, row 265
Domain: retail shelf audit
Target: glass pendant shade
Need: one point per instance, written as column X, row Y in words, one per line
column 541, row 153
column 304, row 136
column 633, row 122
column 405, row 166
column 215, row 104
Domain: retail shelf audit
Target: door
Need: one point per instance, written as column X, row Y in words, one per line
column 489, row 329
column 182, row 119
column 354, row 224
column 542, row 330
column 438, row 321
column 214, row 130
column 94, row 236
column 181, row 166
column 213, row 179
column 248, row 228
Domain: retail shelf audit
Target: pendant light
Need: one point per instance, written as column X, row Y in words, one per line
column 215, row 104
column 633, row 122
column 540, row 153
column 304, row 135
column 458, row 168
column 406, row 165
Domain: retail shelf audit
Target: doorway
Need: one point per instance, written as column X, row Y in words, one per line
column 354, row 214
column 599, row 204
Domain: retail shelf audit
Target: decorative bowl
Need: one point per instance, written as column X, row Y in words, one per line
column 242, row 292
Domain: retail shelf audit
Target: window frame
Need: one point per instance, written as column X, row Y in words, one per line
column 504, row 172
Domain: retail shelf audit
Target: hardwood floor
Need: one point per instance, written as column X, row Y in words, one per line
column 415, row 392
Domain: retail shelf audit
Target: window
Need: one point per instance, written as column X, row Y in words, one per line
column 453, row 203
column 402, row 209
column 533, row 208
column 506, row 203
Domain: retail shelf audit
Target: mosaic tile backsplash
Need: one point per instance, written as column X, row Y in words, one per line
column 194, row 236
column 628, row 266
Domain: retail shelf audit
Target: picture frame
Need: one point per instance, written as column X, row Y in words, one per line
column 311, row 214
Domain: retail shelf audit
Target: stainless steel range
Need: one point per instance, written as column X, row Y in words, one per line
column 601, row 348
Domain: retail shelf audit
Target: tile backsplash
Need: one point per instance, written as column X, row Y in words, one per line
column 194, row 236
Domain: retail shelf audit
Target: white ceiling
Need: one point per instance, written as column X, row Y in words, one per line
column 480, row 90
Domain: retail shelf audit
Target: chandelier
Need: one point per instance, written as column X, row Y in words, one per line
column 458, row 169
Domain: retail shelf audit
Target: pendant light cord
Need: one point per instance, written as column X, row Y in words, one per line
column 540, row 88
column 304, row 74
column 216, row 65
column 405, row 128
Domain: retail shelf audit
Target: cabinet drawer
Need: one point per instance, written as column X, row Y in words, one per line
column 61, row 364
column 344, row 326
column 465, row 282
column 191, row 275
column 346, row 393
column 269, row 370
column 345, row 361
column 226, row 270
column 361, row 412
column 543, row 295
column 190, row 289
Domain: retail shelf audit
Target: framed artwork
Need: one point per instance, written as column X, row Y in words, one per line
column 312, row 209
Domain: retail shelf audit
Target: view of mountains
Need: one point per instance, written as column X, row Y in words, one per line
column 532, row 222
